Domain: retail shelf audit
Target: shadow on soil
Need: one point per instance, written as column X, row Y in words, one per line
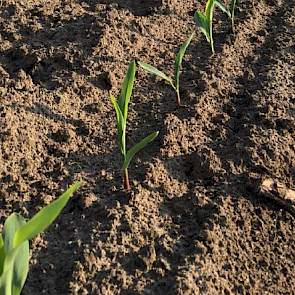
column 136, row 7
column 245, row 112
column 47, row 51
column 190, row 219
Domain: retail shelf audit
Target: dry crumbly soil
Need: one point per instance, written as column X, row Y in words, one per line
column 194, row 222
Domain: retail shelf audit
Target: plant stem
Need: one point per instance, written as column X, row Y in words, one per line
column 211, row 30
column 126, row 180
column 212, row 46
column 233, row 24
column 178, row 98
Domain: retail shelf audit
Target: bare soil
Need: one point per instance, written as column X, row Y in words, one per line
column 194, row 222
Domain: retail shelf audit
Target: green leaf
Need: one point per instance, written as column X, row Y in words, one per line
column 223, row 8
column 156, row 72
column 11, row 225
column 232, row 7
column 209, row 10
column 16, row 260
column 20, row 268
column 43, row 218
column 126, row 90
column 139, row 146
column 15, row 242
column 209, row 16
column 179, row 58
column 121, row 125
column 202, row 23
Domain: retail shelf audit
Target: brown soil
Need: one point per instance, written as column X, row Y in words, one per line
column 194, row 222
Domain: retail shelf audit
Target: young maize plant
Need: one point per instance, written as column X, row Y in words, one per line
column 121, row 108
column 177, row 67
column 229, row 10
column 14, row 242
column 204, row 20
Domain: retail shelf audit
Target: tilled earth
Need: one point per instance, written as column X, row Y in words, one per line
column 194, row 222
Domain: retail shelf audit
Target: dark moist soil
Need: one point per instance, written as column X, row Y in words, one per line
column 193, row 222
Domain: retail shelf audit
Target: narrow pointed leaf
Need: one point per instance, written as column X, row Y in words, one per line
column 15, row 270
column 201, row 22
column 127, row 88
column 209, row 16
column 179, row 58
column 11, row 225
column 16, row 262
column 20, row 268
column 1, row 242
column 223, row 8
column 209, row 9
column 155, row 71
column 139, row 146
column 121, row 124
column 43, row 218
column 232, row 7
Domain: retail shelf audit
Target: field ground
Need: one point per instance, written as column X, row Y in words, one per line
column 194, row 222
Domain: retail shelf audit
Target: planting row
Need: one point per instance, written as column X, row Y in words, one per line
column 204, row 22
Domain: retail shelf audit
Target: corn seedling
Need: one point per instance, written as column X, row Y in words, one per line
column 175, row 83
column 121, row 108
column 204, row 22
column 229, row 10
column 14, row 242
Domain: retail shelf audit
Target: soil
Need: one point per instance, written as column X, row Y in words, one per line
column 194, row 222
